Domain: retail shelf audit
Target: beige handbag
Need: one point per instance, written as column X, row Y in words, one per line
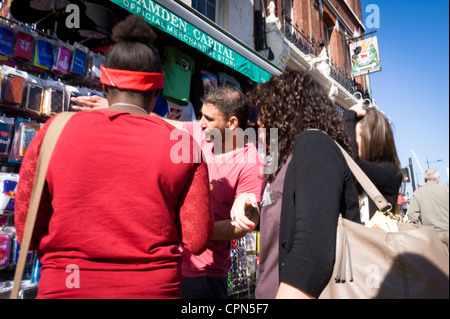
column 45, row 153
column 370, row 263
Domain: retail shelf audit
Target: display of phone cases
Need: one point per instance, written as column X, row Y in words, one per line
column 33, row 66
column 13, row 89
column 24, row 45
column 35, row 94
column 6, row 41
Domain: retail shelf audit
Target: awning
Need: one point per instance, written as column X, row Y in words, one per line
column 179, row 21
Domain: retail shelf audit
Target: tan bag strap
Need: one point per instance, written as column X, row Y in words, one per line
column 371, row 190
column 45, row 153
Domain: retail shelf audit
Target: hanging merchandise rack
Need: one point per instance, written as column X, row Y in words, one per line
column 243, row 275
column 39, row 73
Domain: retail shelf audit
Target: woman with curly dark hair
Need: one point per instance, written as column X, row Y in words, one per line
column 311, row 185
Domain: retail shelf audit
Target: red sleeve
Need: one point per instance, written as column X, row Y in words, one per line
column 24, row 188
column 196, row 215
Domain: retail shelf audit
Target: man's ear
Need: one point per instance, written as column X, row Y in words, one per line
column 233, row 123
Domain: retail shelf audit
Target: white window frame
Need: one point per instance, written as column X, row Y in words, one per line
column 217, row 11
column 291, row 3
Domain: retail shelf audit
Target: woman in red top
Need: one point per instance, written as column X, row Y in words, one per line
column 116, row 206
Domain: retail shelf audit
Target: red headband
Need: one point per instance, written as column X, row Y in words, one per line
column 131, row 80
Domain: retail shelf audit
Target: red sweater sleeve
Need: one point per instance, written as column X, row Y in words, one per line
column 25, row 186
column 196, row 215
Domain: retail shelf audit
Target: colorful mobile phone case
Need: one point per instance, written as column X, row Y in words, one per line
column 57, row 101
column 34, row 97
column 13, row 90
column 5, row 137
column 44, row 54
column 24, row 45
column 8, row 189
column 63, row 61
column 79, row 62
column 6, row 41
column 27, row 133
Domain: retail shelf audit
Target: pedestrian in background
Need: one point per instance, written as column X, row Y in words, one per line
column 429, row 204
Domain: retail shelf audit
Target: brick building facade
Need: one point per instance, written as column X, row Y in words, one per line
column 314, row 35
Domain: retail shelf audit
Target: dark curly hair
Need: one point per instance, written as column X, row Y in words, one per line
column 294, row 102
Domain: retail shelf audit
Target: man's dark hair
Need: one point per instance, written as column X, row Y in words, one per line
column 230, row 101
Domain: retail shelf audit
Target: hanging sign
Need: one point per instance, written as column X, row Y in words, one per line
column 365, row 56
column 165, row 20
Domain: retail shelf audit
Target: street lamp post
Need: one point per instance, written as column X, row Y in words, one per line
column 428, row 162
column 413, row 183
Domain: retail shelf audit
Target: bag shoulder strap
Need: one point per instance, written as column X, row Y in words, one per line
column 45, row 153
column 382, row 204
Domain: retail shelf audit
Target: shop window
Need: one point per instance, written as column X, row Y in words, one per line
column 206, row 7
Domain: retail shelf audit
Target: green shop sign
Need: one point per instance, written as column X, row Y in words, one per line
column 163, row 19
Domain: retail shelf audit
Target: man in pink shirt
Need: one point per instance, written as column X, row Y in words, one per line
column 235, row 167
